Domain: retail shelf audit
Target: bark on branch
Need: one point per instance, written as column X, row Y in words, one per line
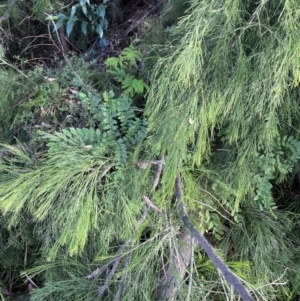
column 219, row 264
column 176, row 268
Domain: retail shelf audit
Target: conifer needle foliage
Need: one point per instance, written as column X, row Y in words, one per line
column 223, row 108
column 228, row 91
column 222, row 114
column 69, row 193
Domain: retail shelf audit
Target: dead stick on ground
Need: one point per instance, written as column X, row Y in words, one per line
column 219, row 264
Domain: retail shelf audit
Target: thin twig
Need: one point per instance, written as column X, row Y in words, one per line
column 276, row 282
column 31, row 281
column 25, row 255
column 104, row 287
column 150, row 203
column 210, row 194
column 155, row 181
column 116, row 261
column 144, row 216
column 65, row 55
column 138, row 22
column 212, row 208
column 228, row 289
column 191, row 268
column 4, row 17
column 34, row 39
column 100, row 270
column 119, row 292
column 219, row 264
column 158, row 172
column 106, row 170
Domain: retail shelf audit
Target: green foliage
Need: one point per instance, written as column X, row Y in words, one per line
column 117, row 128
column 276, row 164
column 174, row 10
column 122, row 67
column 128, row 59
column 68, row 205
column 216, row 85
column 74, row 272
column 51, row 98
column 92, row 157
column 15, row 89
column 40, row 7
column 271, row 247
column 45, row 96
column 222, row 108
column 90, row 16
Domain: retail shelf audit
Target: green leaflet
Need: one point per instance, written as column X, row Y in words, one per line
column 116, row 131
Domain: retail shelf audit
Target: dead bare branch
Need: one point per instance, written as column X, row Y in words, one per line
column 100, row 270
column 120, row 289
column 219, row 264
column 146, row 164
column 105, row 171
column 192, row 243
column 103, row 288
column 116, row 260
column 141, row 20
column 4, row 17
column 150, row 203
column 31, row 281
column 176, row 268
column 158, row 172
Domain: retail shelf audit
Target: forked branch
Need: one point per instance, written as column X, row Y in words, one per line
column 116, row 261
column 219, row 264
